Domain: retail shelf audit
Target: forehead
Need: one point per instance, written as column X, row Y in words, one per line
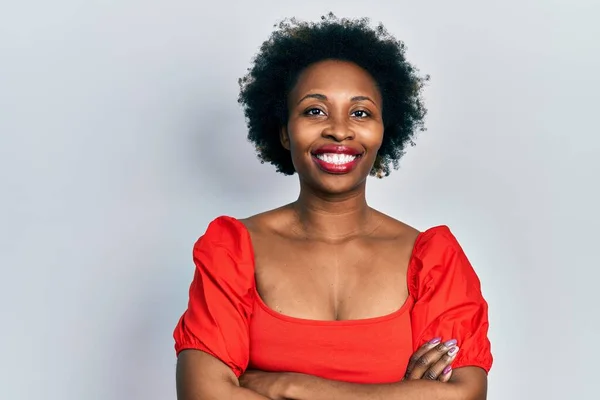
column 333, row 77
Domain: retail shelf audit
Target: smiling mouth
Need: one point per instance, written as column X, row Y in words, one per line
column 336, row 158
column 336, row 163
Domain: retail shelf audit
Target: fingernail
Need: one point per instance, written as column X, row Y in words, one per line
column 435, row 340
column 447, row 370
column 453, row 351
column 451, row 343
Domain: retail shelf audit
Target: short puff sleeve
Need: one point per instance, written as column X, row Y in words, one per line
column 448, row 299
column 221, row 296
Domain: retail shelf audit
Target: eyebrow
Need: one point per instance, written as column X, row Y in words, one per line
column 324, row 98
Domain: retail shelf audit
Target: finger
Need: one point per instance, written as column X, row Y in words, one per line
column 436, row 371
column 424, row 365
column 421, row 357
column 446, row 374
column 420, row 352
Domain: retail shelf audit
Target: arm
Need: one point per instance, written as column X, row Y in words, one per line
column 211, row 337
column 200, row 376
column 468, row 383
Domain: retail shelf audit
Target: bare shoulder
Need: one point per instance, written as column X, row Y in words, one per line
column 270, row 221
column 393, row 229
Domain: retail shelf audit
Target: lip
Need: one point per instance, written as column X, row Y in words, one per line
column 337, row 169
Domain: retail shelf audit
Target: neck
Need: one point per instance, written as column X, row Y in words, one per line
column 333, row 217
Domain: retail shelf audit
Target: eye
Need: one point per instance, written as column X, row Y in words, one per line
column 314, row 112
column 360, row 114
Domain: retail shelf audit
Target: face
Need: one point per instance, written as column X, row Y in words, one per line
column 335, row 126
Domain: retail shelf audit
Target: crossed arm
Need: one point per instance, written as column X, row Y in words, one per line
column 448, row 302
column 468, row 383
column 203, row 377
column 200, row 376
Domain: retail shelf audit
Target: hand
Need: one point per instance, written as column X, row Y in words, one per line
column 273, row 385
column 432, row 361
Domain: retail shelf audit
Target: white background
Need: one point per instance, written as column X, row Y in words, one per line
column 121, row 138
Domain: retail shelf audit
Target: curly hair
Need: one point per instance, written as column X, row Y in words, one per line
column 293, row 46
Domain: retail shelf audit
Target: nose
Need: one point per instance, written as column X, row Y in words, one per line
column 338, row 129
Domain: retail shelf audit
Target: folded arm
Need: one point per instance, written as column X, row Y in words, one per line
column 468, row 383
column 200, row 376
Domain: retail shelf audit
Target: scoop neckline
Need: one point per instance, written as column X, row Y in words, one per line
column 363, row 321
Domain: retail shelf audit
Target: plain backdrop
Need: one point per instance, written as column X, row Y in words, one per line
column 121, row 138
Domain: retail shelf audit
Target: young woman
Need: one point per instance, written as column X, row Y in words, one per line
column 327, row 298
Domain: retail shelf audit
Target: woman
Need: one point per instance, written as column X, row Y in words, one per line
column 327, row 298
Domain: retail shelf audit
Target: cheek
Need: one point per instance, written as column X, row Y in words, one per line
column 373, row 139
column 301, row 136
column 299, row 143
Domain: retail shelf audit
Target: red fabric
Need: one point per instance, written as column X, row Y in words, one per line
column 227, row 319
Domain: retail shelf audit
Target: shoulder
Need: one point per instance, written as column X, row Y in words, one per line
column 438, row 258
column 430, row 242
column 222, row 228
column 268, row 222
column 236, row 235
column 435, row 242
column 224, row 250
column 436, row 236
column 227, row 235
column 394, row 229
column 225, row 226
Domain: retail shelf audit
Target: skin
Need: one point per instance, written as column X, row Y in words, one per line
column 358, row 256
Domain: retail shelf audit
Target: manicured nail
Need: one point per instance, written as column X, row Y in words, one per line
column 453, row 351
column 435, row 340
column 447, row 370
column 451, row 343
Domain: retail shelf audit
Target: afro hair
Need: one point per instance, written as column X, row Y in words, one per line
column 293, row 46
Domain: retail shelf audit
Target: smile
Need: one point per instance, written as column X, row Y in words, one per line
column 336, row 159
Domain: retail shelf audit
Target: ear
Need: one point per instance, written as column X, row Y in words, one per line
column 284, row 137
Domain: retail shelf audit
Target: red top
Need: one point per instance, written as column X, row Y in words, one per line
column 227, row 318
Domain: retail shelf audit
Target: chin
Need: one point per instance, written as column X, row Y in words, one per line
column 336, row 184
column 333, row 180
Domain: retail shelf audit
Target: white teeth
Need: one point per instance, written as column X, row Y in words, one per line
column 335, row 158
